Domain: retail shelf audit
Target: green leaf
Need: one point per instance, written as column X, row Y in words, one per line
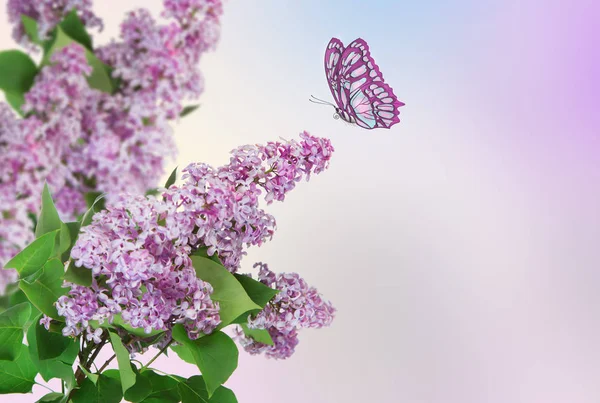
column 257, row 291
column 141, row 390
column 172, row 179
column 48, row 220
column 50, row 345
column 34, row 256
column 203, row 252
column 89, row 375
column 15, row 100
column 71, row 228
column 164, row 388
column 60, row 367
column 19, row 297
column 126, row 373
column 216, row 355
column 17, row 74
column 106, row 390
column 74, row 27
column 78, row 275
column 93, row 198
column 46, row 290
column 12, row 322
column 95, row 206
column 99, row 79
column 188, row 109
column 193, row 390
column 31, row 29
column 53, row 398
column 259, row 335
column 228, row 292
column 184, row 353
column 223, row 395
column 137, row 331
column 17, row 376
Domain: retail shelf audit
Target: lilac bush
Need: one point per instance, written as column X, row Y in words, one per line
column 295, row 307
column 98, row 254
column 84, row 140
column 140, row 246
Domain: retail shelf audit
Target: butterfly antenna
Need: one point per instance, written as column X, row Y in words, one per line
column 316, row 100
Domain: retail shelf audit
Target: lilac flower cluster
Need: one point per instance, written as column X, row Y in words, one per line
column 138, row 248
column 79, row 139
column 141, row 271
column 32, row 150
column 120, row 142
column 296, row 306
column 158, row 64
column 48, row 13
column 228, row 215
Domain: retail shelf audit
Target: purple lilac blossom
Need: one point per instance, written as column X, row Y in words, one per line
column 140, row 271
column 48, row 14
column 296, row 306
column 31, row 150
column 79, row 139
column 284, row 344
column 138, row 248
column 228, row 216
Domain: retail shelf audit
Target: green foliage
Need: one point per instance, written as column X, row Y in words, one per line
column 94, row 206
column 17, row 376
column 141, row 390
column 184, row 353
column 47, row 288
column 163, row 388
column 203, row 252
column 223, row 395
column 58, row 367
column 257, row 291
column 12, row 322
column 91, row 377
column 74, row 27
column 188, row 110
column 193, row 390
column 127, row 375
column 106, row 390
column 48, row 220
column 72, row 229
column 216, row 355
column 50, row 345
column 172, row 179
column 34, row 256
column 228, row 292
column 99, row 79
column 81, row 275
column 19, row 297
column 259, row 335
column 31, row 29
column 53, row 398
column 17, row 74
column 78, row 275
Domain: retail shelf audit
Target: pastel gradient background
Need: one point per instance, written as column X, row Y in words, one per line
column 460, row 247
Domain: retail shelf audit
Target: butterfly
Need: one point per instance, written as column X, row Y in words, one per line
column 356, row 83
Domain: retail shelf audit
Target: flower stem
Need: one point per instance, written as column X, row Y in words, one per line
column 106, row 363
column 157, row 355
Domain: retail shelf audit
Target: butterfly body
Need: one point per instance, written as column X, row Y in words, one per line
column 361, row 95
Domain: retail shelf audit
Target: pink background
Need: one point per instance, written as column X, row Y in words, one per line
column 460, row 247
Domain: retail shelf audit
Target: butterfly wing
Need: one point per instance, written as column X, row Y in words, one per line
column 365, row 96
column 333, row 55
